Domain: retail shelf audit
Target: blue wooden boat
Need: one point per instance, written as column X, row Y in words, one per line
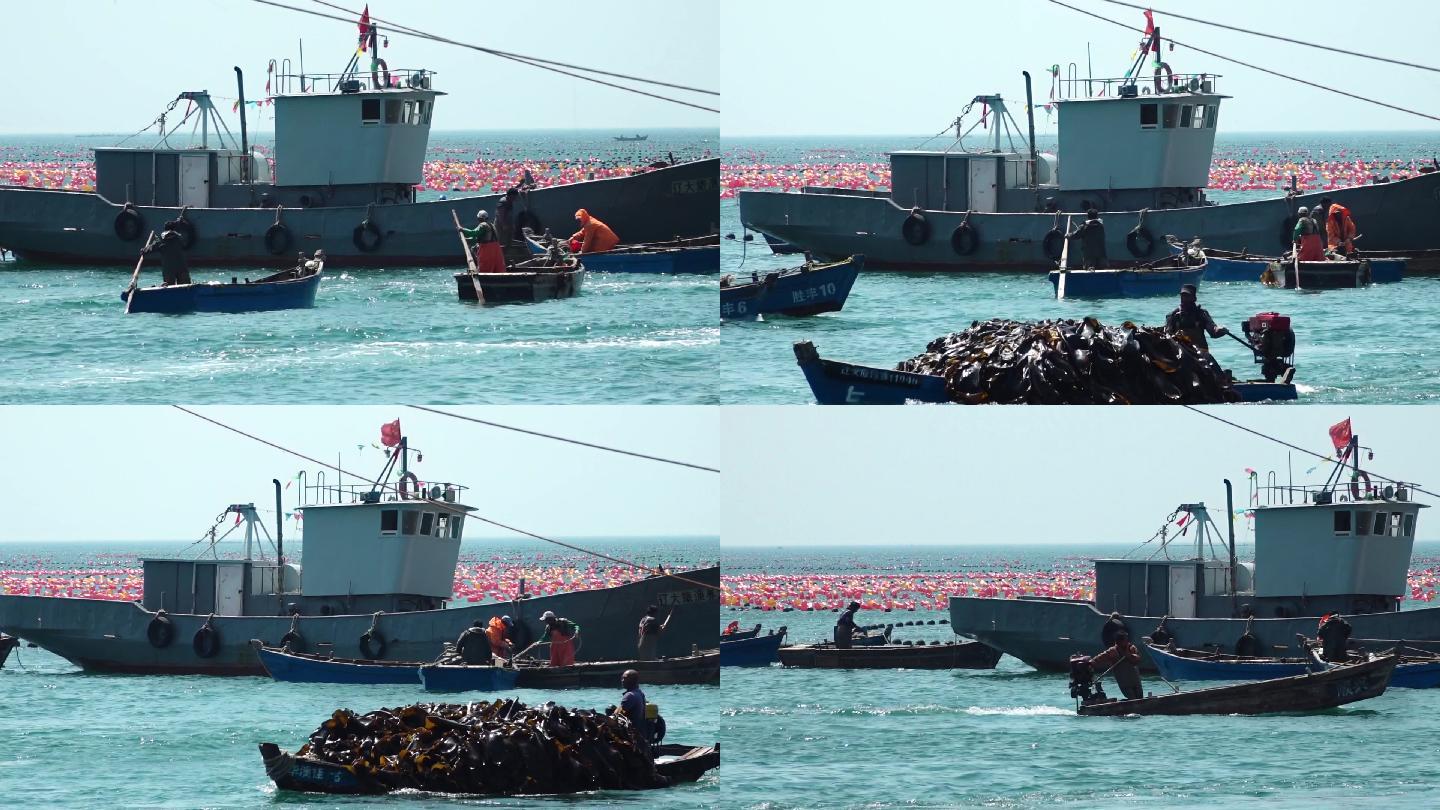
column 289, row 289
column 1226, row 265
column 292, row 667
column 701, row 668
column 759, row 651
column 1179, row 664
column 528, row 282
column 697, row 255
column 466, row 678
column 806, row 290
column 738, row 634
column 836, row 383
column 1163, row 277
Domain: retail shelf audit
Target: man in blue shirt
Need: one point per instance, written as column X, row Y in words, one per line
column 633, row 704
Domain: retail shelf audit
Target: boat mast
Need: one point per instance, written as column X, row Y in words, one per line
column 244, row 137
column 1030, row 120
column 279, row 549
column 1230, row 515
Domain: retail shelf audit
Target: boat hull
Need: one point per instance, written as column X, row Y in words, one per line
column 835, row 223
column 1126, row 283
column 1312, row 691
column 7, row 643
column 289, row 668
column 760, row 651
column 1320, row 275
column 687, row 259
column 962, row 655
column 108, row 636
column 520, row 288
column 703, row 669
column 811, row 291
column 466, row 678
column 1044, row 633
column 75, row 227
column 837, row 383
column 181, row 299
column 1179, row 667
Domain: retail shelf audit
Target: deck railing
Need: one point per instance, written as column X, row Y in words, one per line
column 321, row 493
column 355, row 82
column 1073, row 87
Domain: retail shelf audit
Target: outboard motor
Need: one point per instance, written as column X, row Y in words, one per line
column 1273, row 342
column 1083, row 685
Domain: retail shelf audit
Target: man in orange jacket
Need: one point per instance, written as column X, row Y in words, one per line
column 1340, row 228
column 594, row 236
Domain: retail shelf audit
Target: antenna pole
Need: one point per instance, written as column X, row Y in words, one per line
column 244, row 137
column 1030, row 120
column 1230, row 515
column 279, row 548
column 1089, row 72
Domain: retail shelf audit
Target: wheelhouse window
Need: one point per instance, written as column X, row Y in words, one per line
column 389, row 521
column 1210, row 115
column 1197, row 121
column 442, row 526
column 422, row 112
column 392, row 111
column 1409, row 525
column 1185, row 112
column 369, row 110
column 410, row 522
column 408, row 115
column 1382, row 522
column 427, row 523
column 1362, row 522
column 1172, row 114
column 457, row 526
column 1148, row 116
column 1395, row 525
column 1342, row 521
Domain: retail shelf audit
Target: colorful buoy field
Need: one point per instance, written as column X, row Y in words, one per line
column 479, row 578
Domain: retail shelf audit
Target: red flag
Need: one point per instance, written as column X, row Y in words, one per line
column 1149, row 21
column 390, row 433
column 1340, row 434
column 365, row 21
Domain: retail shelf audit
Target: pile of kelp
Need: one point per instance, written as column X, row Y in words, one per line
column 1066, row 362
column 503, row 747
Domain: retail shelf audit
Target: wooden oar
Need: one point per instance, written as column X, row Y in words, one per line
column 469, row 258
column 135, row 276
column 1064, row 261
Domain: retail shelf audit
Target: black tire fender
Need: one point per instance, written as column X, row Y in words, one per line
column 129, row 224
column 1140, row 242
column 294, row 641
column 372, row 645
column 1054, row 244
column 367, row 236
column 1247, row 645
column 915, row 230
column 186, row 229
column 278, row 239
column 206, row 642
column 160, row 632
column 964, row 239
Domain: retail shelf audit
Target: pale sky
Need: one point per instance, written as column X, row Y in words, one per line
column 855, row 67
column 949, row 475
column 89, row 66
column 155, row 473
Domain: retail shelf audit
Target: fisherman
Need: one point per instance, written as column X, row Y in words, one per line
column 1308, row 245
column 562, row 633
column 505, row 216
column 633, row 703
column 1340, row 228
column 474, row 644
column 498, row 632
column 1113, row 627
column 594, row 236
column 648, row 642
column 1124, row 661
column 1319, row 212
column 171, row 246
column 845, row 628
column 1191, row 320
column 489, row 257
column 1334, row 633
column 1092, row 241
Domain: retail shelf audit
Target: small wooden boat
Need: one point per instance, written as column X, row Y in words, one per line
column 528, row 282
column 951, row 655
column 703, row 668
column 806, row 290
column 1312, row 691
column 466, row 678
column 741, row 634
column 288, row 289
column 759, row 651
column 836, row 383
column 1161, row 277
column 1415, row 262
column 293, row 667
column 699, row 254
column 7, row 643
column 1229, row 265
column 679, row 764
column 1327, row 275
column 1179, row 664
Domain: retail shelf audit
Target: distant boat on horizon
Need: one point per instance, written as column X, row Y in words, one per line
column 630, row 138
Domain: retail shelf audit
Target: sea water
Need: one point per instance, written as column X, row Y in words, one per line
column 1367, row 345
column 383, row 335
column 74, row 739
column 1010, row 738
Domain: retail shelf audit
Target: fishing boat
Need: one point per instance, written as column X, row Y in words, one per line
column 1335, row 274
column 833, row 382
column 806, row 290
column 1308, row 692
column 950, row 655
column 632, row 138
column 1417, row 669
column 1229, row 265
column 737, row 634
column 1161, row 277
column 467, row 678
column 292, row 667
column 693, row 255
column 1339, row 546
column 678, row 764
column 375, row 580
column 1416, row 262
column 700, row 668
column 757, row 651
column 528, row 282
column 288, row 289
column 7, row 643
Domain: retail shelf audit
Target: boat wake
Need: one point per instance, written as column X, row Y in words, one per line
column 1018, row 711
